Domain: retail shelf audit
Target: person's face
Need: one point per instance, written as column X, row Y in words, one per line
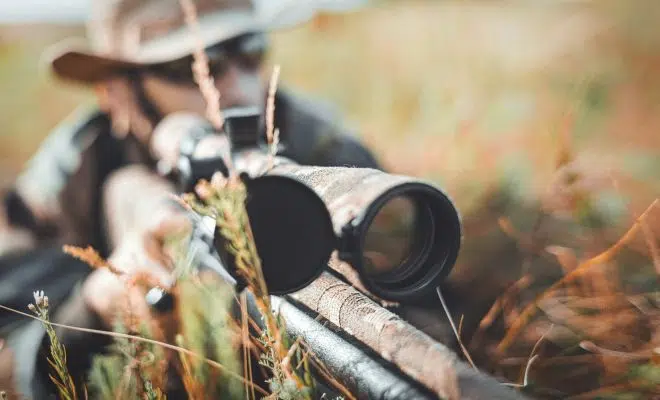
column 234, row 67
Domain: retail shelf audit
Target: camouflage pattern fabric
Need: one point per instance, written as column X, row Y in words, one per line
column 57, row 196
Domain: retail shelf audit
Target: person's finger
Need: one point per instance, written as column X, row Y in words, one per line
column 176, row 224
column 141, row 256
column 155, row 273
column 154, row 242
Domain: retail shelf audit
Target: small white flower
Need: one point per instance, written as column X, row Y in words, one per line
column 39, row 298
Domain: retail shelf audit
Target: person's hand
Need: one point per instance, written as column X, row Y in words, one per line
column 141, row 219
column 142, row 262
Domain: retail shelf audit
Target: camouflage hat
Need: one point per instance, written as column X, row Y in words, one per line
column 134, row 33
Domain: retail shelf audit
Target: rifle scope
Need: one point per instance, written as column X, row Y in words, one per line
column 402, row 235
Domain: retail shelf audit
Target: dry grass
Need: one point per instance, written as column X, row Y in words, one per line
column 224, row 199
column 62, row 379
column 541, row 121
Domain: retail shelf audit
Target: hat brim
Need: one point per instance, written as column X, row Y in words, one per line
column 72, row 61
column 75, row 62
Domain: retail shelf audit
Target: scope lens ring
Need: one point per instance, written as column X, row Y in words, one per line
column 430, row 259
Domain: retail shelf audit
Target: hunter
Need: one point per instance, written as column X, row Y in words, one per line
column 139, row 65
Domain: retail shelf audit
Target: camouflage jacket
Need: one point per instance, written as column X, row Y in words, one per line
column 57, row 197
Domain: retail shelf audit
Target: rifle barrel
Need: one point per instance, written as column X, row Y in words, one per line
column 417, row 355
column 364, row 374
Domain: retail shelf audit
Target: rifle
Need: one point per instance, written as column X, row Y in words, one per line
column 321, row 232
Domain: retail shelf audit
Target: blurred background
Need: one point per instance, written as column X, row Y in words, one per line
column 540, row 118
